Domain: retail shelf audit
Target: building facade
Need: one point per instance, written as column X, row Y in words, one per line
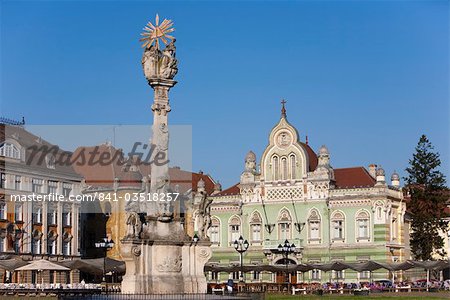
column 36, row 229
column 346, row 214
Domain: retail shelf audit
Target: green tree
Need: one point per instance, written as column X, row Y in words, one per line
column 429, row 196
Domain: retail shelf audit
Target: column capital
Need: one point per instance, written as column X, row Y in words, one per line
column 156, row 82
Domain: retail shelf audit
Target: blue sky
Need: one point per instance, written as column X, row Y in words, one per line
column 366, row 78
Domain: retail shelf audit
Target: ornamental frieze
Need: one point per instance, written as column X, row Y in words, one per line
column 356, row 202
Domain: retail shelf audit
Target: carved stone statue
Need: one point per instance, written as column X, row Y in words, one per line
column 162, row 187
column 204, row 217
column 163, row 132
column 160, row 64
column 150, row 61
column 169, row 64
column 134, row 225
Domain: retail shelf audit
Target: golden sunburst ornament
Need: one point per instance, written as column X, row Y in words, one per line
column 153, row 33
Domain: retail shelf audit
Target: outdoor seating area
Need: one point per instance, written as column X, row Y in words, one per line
column 328, row 288
column 436, row 265
column 361, row 287
column 19, row 283
column 57, row 289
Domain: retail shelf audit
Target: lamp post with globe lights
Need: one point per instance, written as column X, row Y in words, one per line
column 285, row 250
column 241, row 245
column 105, row 244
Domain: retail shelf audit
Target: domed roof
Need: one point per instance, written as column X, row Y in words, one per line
column 395, row 176
column 323, row 150
column 250, row 156
column 380, row 171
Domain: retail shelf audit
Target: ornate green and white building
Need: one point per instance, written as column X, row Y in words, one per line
column 346, row 214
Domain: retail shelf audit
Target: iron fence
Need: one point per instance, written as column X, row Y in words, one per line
column 235, row 296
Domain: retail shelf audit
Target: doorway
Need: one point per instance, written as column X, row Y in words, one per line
column 281, row 276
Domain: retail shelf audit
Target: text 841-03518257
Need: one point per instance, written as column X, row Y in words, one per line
column 139, row 197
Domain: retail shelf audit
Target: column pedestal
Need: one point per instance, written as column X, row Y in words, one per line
column 164, row 267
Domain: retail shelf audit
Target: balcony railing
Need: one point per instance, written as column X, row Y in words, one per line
column 273, row 244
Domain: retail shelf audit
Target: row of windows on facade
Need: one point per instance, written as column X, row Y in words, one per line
column 284, row 227
column 52, row 214
column 36, row 246
column 313, row 275
column 284, row 168
column 37, row 185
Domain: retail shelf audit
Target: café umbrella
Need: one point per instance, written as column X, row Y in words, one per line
column 42, row 265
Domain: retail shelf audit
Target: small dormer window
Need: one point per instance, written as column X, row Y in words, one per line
column 9, row 150
column 51, row 161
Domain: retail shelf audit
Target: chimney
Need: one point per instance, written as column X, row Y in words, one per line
column 395, row 179
column 373, row 170
column 381, row 179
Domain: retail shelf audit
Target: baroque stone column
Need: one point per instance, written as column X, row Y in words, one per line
column 159, row 178
column 160, row 257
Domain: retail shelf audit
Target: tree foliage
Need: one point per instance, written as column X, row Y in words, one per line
column 428, row 200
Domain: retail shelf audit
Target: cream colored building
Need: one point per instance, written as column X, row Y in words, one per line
column 36, row 229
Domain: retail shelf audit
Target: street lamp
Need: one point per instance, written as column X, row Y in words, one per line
column 105, row 244
column 285, row 250
column 241, row 246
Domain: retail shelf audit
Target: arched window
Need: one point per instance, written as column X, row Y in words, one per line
column 67, row 243
column 234, row 229
column 51, row 247
column 37, row 213
column 284, row 166
column 338, row 226
column 293, row 166
column 276, row 168
column 362, row 225
column 314, row 226
column 284, row 225
column 18, row 210
column 52, row 215
column 379, row 212
column 214, row 231
column 394, row 225
column 255, row 226
column 9, row 150
column 67, row 215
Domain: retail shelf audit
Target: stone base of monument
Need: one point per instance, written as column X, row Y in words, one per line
column 164, row 267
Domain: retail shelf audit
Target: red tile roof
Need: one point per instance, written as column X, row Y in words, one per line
column 353, row 177
column 233, row 190
column 99, row 175
column 313, row 161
